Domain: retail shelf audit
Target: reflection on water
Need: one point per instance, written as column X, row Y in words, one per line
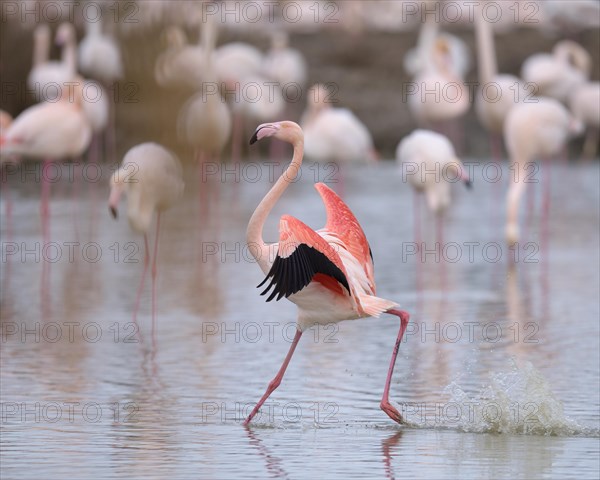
column 86, row 392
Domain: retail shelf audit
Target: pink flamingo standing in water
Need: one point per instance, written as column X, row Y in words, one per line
column 151, row 176
column 327, row 273
column 429, row 163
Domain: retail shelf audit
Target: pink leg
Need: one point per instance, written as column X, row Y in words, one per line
column 496, row 151
column 110, row 136
column 94, row 155
column 154, row 271
column 141, row 287
column 530, row 210
column 201, row 157
column 439, row 224
column 545, row 209
column 417, row 218
column 75, row 198
column 386, row 406
column 45, row 205
column 8, row 219
column 277, row 380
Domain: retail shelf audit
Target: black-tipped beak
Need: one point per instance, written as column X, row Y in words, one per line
column 468, row 184
column 254, row 138
column 113, row 212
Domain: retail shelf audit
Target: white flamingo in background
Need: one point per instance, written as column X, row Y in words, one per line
column 449, row 100
column 430, row 164
column 50, row 131
column 99, row 56
column 458, row 52
column 327, row 273
column 151, row 178
column 204, row 120
column 334, row 134
column 238, row 65
column 558, row 74
column 45, row 72
column 283, row 64
column 96, row 106
column 497, row 94
column 533, row 131
column 585, row 106
column 181, row 65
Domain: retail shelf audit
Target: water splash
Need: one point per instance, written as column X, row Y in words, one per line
column 519, row 401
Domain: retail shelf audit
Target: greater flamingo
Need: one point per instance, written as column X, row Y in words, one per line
column 430, row 164
column 151, row 177
column 441, row 95
column 556, row 75
column 98, row 55
column 327, row 273
column 49, row 131
column 334, row 134
column 238, row 66
column 497, row 94
column 533, row 131
column 285, row 65
column 47, row 78
column 204, row 121
column 181, row 65
column 585, row 106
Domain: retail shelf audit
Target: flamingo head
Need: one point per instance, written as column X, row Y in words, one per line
column 64, row 34
column 174, row 37
column 287, row 131
column 117, row 187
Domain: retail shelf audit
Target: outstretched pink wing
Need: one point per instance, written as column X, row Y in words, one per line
column 302, row 255
column 342, row 222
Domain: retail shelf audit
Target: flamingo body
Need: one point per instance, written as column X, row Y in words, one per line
column 556, row 75
column 283, row 64
column 45, row 72
column 334, row 134
column 585, row 104
column 533, row 131
column 151, row 177
column 99, row 56
column 428, row 151
column 48, row 130
column 327, row 273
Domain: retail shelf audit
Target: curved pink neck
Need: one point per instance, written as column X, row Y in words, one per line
column 254, row 234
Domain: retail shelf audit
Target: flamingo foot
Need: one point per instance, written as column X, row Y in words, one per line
column 391, row 411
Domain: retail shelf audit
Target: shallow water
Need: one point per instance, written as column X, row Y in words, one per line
column 498, row 375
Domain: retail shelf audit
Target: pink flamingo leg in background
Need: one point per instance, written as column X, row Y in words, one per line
column 386, row 406
column 45, row 204
column 545, row 210
column 530, row 209
column 273, row 384
column 154, row 271
column 439, row 223
column 417, row 218
column 142, row 281
column 496, row 151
